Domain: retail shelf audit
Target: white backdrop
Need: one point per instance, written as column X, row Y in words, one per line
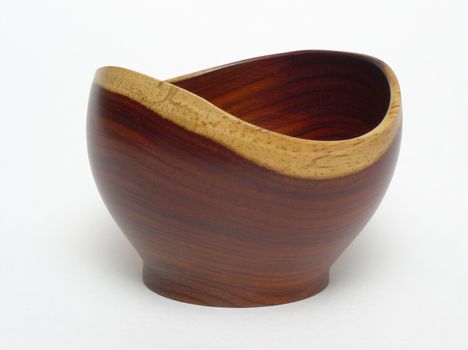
column 70, row 280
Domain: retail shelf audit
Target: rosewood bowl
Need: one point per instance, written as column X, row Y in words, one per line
column 241, row 185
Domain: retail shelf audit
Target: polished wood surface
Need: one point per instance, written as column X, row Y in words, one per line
column 320, row 97
column 214, row 227
column 291, row 156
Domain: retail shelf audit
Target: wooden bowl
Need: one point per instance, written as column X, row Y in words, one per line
column 241, row 185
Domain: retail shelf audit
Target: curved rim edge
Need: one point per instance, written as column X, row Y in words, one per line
column 287, row 155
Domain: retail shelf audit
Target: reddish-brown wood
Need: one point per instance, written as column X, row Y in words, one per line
column 214, row 228
column 324, row 96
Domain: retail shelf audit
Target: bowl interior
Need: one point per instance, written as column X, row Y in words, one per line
column 310, row 95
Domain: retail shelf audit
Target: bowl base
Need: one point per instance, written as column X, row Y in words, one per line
column 186, row 287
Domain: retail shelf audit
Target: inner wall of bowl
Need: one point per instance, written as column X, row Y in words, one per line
column 319, row 96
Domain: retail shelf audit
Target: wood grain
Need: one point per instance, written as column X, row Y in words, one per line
column 350, row 100
column 214, row 227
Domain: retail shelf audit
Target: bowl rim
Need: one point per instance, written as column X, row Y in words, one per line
column 288, row 155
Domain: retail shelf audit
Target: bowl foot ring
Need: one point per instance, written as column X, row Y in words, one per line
column 189, row 288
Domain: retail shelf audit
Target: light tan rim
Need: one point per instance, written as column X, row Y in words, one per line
column 308, row 159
